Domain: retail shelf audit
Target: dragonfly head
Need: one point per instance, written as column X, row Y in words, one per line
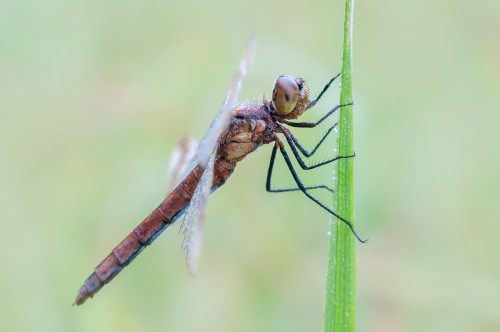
column 290, row 96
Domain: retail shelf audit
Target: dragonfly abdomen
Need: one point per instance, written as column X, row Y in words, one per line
column 143, row 235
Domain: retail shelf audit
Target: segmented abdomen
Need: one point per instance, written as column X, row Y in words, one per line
column 149, row 229
column 144, row 234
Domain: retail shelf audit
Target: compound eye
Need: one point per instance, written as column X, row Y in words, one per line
column 285, row 94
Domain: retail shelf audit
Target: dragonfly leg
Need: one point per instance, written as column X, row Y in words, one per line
column 312, row 103
column 314, row 124
column 303, row 150
column 270, row 173
column 292, row 141
column 304, row 189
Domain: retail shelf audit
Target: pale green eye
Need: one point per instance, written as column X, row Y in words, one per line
column 285, row 94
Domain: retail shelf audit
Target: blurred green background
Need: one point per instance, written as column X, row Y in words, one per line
column 95, row 94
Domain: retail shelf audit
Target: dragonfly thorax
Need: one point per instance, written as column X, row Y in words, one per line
column 251, row 127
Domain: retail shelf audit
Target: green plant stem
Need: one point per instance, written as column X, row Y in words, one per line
column 340, row 304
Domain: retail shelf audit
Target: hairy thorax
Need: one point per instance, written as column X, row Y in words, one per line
column 251, row 126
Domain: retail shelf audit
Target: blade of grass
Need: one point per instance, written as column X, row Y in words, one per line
column 340, row 304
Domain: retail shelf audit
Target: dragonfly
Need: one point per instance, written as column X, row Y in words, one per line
column 236, row 131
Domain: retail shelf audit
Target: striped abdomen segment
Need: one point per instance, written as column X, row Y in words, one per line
column 149, row 229
column 144, row 234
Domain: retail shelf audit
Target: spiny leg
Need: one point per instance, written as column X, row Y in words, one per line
column 270, row 173
column 304, row 189
column 314, row 124
column 304, row 150
column 292, row 141
column 312, row 103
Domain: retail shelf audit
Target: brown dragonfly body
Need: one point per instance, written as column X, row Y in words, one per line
column 249, row 126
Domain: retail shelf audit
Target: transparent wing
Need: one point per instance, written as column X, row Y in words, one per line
column 180, row 160
column 223, row 118
column 192, row 222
